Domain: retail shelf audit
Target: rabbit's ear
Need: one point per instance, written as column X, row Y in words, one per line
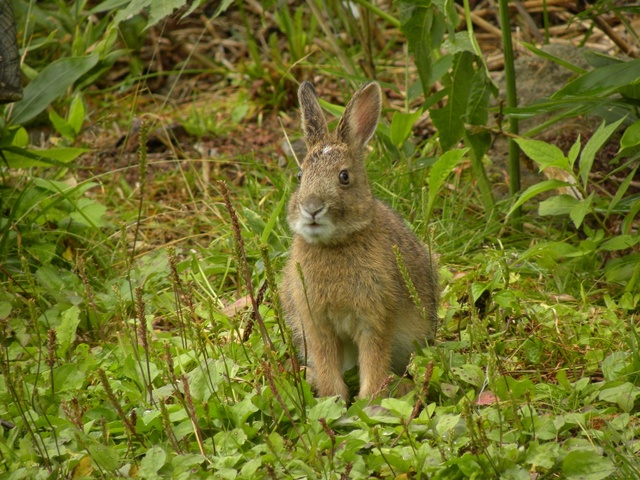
column 361, row 115
column 314, row 124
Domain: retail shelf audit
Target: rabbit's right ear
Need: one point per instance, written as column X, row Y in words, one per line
column 360, row 118
column 314, row 124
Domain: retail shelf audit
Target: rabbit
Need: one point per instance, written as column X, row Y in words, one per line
column 343, row 295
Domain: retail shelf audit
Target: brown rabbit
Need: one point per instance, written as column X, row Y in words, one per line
column 343, row 294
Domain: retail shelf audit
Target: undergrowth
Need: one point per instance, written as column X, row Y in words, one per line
column 141, row 331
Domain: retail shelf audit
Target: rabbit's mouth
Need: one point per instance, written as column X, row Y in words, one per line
column 314, row 231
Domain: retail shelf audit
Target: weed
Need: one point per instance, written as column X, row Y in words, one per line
column 141, row 332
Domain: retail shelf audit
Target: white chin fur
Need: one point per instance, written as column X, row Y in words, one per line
column 315, row 233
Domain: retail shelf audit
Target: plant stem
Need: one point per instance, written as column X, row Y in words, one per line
column 379, row 12
column 512, row 102
column 545, row 21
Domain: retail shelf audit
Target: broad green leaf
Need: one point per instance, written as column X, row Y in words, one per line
column 68, row 377
column 229, row 441
column 150, row 415
column 43, row 252
column 106, row 457
column 76, row 113
column 622, row 269
column 482, row 88
column 580, row 210
column 89, row 212
column 186, row 462
column 203, row 379
column 439, row 173
column 14, row 137
column 599, row 60
column 401, row 408
column 466, row 466
column 401, row 126
column 61, row 125
column 631, row 91
column 254, row 220
column 543, row 153
column 601, row 80
column 472, row 374
column 133, row 8
column 508, row 388
column 537, row 189
column 450, row 12
column 477, row 114
column 243, row 409
column 416, row 24
column 327, row 408
column 459, row 42
column 440, row 67
column 450, row 119
column 586, row 465
column 59, row 157
column 477, row 289
column 160, row 9
column 479, row 143
column 533, row 349
column 64, row 154
column 574, row 152
column 154, row 460
column 592, row 147
column 49, row 278
column 250, row 467
column 51, row 82
column 446, row 423
column 5, row 310
column 66, row 331
column 620, row 242
column 623, row 394
column 616, row 366
column 515, row 473
column 631, row 136
column 542, row 455
column 558, row 205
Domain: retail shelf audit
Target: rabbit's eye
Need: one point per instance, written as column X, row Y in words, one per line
column 344, row 177
column 300, row 175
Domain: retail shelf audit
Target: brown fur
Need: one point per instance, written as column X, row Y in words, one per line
column 351, row 300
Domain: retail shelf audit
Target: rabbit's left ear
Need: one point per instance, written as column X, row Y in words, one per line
column 360, row 119
column 314, row 124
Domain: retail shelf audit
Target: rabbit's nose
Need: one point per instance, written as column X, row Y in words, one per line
column 313, row 206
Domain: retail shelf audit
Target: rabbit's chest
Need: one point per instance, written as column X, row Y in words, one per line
column 355, row 310
column 349, row 295
column 350, row 288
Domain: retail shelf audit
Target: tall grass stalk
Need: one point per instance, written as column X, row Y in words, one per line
column 243, row 265
column 512, row 102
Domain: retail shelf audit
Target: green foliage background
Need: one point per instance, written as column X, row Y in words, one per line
column 140, row 328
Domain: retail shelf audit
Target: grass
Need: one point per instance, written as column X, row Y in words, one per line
column 146, row 339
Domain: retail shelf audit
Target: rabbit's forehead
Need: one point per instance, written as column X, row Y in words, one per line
column 327, row 152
